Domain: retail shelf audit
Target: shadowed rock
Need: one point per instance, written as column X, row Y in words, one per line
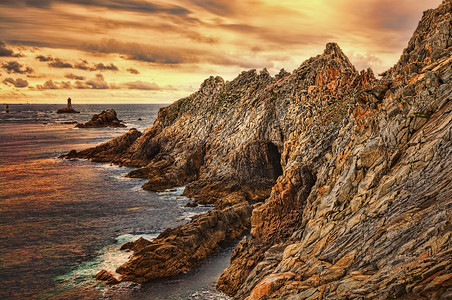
column 108, row 151
column 68, row 109
column 106, row 118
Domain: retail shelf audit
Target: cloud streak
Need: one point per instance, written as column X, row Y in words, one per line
column 18, row 83
column 141, row 85
column 175, row 56
column 73, row 76
column 83, row 65
column 58, row 63
column 133, row 71
column 5, row 52
column 16, row 67
column 55, row 85
column 120, row 5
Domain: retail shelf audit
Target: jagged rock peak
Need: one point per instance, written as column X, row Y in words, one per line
column 211, row 84
column 430, row 42
column 332, row 48
column 282, row 73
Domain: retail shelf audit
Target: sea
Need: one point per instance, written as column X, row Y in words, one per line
column 62, row 221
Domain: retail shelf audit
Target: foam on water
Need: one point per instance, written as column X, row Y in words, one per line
column 109, row 258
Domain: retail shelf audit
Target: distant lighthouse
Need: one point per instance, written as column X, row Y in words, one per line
column 68, row 109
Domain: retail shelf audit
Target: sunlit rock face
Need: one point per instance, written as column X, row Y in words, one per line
column 367, row 214
column 355, row 172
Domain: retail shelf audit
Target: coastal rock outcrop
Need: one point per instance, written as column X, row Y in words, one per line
column 177, row 250
column 67, row 110
column 377, row 220
column 104, row 152
column 352, row 173
column 106, row 118
column 107, row 277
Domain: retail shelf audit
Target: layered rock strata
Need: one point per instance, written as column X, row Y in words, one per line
column 104, row 152
column 377, row 220
column 177, row 250
column 106, row 118
column 355, row 172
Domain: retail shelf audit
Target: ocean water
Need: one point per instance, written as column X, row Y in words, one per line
column 61, row 221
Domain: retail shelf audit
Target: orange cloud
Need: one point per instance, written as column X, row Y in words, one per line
column 186, row 41
column 18, row 83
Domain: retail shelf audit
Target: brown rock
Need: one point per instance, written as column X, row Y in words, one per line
column 107, row 152
column 352, row 175
column 107, row 277
column 106, row 118
column 177, row 250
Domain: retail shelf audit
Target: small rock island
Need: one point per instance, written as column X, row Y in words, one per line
column 68, row 109
column 106, row 118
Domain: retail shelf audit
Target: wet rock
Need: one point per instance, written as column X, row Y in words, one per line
column 191, row 204
column 107, row 277
column 68, row 109
column 107, row 152
column 177, row 250
column 106, row 118
column 137, row 245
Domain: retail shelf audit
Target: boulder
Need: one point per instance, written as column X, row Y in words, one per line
column 106, row 118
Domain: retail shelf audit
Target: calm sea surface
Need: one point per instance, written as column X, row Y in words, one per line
column 61, row 221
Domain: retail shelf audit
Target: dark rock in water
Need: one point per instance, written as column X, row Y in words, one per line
column 69, row 122
column 71, row 154
column 107, row 277
column 106, row 118
column 177, row 250
column 67, row 110
column 140, row 119
column 191, row 204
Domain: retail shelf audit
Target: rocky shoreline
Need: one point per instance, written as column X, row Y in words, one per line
column 350, row 176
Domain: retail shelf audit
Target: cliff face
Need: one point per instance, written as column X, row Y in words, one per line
column 356, row 172
column 369, row 214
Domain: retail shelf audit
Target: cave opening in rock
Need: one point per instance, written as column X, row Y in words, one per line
column 274, row 158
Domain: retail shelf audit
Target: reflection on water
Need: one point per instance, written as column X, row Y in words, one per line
column 63, row 220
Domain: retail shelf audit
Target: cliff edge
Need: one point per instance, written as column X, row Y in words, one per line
column 351, row 174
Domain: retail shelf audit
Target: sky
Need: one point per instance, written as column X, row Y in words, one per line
column 152, row 51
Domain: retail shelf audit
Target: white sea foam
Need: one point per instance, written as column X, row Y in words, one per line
column 109, row 259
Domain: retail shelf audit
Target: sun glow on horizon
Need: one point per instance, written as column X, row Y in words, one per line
column 157, row 52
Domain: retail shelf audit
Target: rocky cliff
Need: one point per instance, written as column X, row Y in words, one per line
column 355, row 171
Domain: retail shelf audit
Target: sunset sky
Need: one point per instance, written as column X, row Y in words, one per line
column 131, row 51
